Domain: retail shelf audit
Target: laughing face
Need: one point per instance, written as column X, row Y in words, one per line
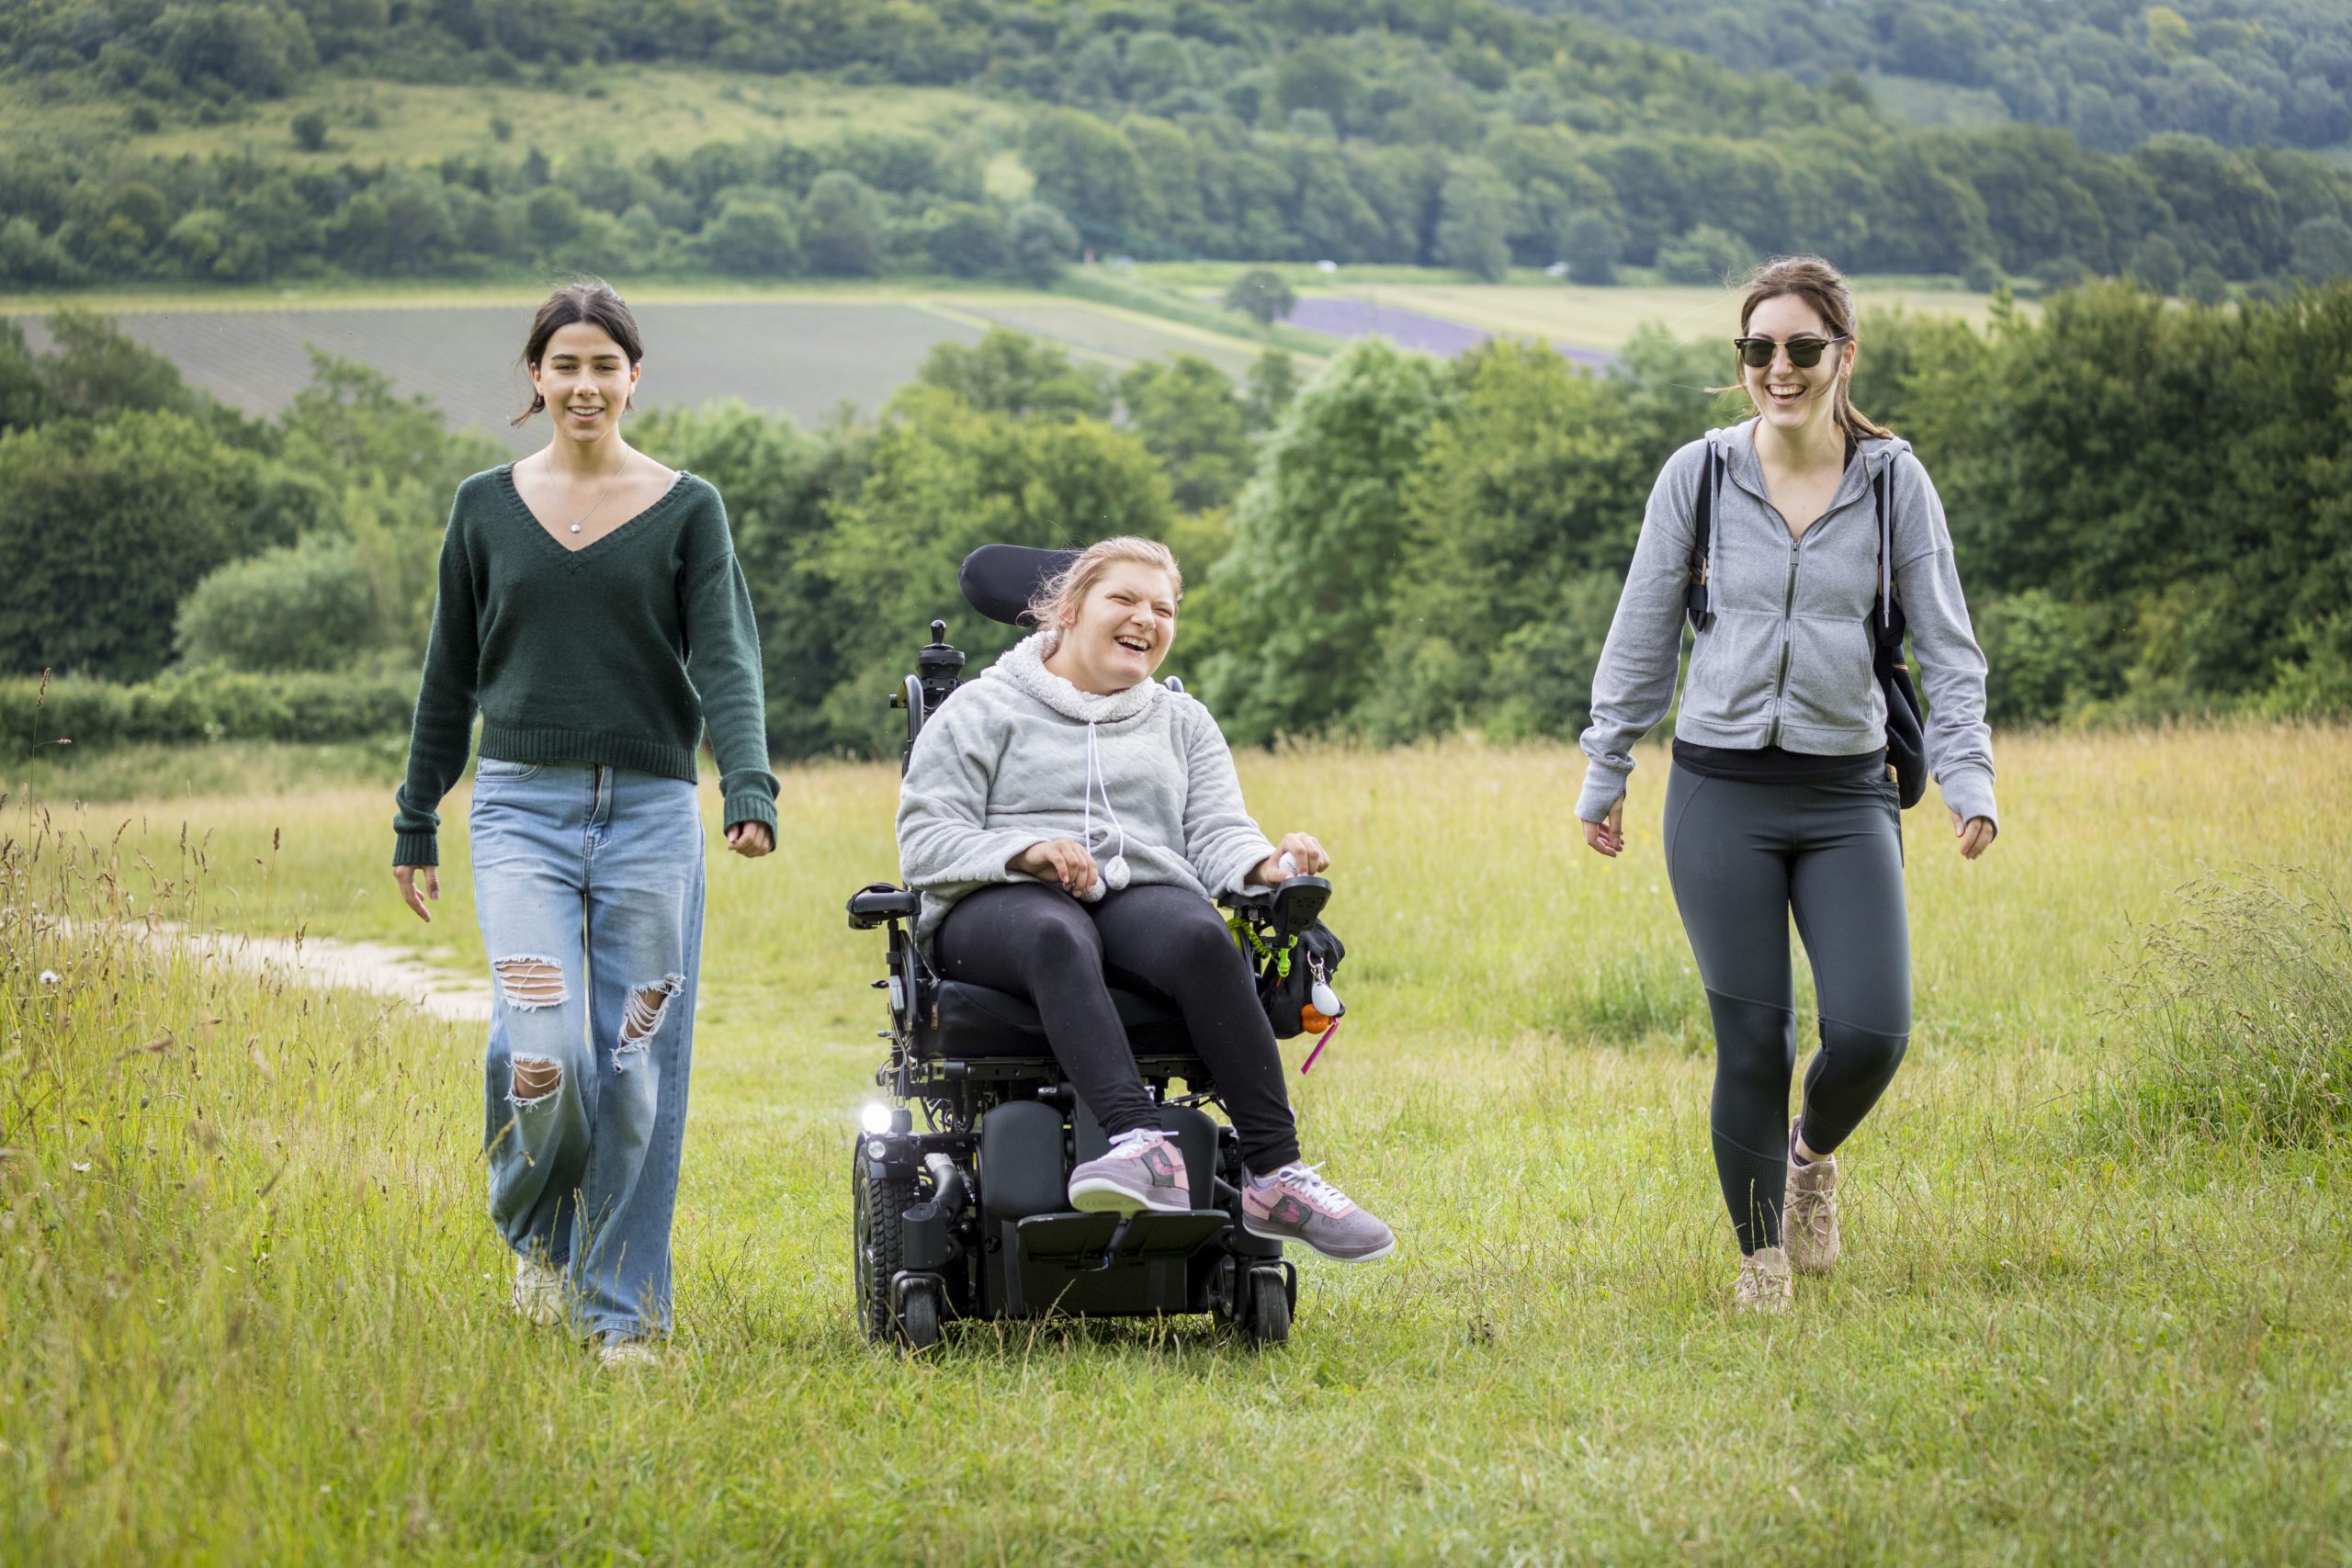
column 1123, row 629
column 1788, row 396
column 586, row 380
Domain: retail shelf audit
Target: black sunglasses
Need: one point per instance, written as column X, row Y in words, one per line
column 1805, row 353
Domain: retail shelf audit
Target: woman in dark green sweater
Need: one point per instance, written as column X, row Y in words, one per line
column 591, row 609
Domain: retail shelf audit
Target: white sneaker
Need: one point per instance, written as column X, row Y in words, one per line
column 617, row 1355
column 1764, row 1284
column 538, row 1293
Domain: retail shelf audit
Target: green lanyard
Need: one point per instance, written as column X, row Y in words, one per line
column 1246, row 938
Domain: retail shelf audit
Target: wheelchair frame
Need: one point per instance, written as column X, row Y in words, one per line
column 969, row 1218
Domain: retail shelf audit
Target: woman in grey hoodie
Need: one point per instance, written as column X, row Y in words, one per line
column 1780, row 800
column 1067, row 817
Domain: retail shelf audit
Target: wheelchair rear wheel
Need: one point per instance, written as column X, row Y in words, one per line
column 879, row 1206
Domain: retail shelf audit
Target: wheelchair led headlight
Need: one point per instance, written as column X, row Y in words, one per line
column 874, row 1118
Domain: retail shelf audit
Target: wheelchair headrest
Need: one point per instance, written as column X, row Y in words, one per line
column 999, row 580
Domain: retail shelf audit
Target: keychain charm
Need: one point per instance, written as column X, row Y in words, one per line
column 1323, row 1007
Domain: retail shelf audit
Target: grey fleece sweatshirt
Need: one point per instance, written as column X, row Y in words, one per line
column 1787, row 660
column 1004, row 764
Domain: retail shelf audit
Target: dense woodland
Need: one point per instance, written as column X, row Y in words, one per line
column 1434, row 132
column 2245, row 73
column 2152, row 503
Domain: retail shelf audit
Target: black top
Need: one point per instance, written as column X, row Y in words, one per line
column 1770, row 765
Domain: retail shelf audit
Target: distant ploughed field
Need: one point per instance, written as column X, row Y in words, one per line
column 802, row 358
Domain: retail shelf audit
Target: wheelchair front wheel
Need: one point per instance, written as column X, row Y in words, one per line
column 919, row 1319
column 1265, row 1316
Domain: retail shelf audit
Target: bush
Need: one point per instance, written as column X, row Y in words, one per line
column 300, row 606
column 2038, row 649
column 965, row 238
column 1261, row 294
column 1707, row 255
column 108, row 525
column 2239, row 1011
column 842, row 227
column 203, row 705
column 1589, row 243
column 752, row 237
column 309, row 128
column 1042, row 242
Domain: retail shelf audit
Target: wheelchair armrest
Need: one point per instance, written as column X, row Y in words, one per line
column 878, row 902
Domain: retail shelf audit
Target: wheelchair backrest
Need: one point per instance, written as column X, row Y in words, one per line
column 999, row 580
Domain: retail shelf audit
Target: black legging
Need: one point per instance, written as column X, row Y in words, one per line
column 1741, row 857
column 1038, row 942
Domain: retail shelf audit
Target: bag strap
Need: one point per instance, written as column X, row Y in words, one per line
column 1887, row 623
column 1695, row 596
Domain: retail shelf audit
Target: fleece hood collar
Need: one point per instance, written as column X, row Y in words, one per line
column 1023, row 669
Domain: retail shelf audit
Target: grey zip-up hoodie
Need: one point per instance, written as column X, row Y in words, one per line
column 1005, row 764
column 1786, row 661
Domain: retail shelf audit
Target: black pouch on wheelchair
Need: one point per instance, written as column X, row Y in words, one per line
column 1284, row 977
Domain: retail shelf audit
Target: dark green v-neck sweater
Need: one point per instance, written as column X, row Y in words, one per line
column 618, row 653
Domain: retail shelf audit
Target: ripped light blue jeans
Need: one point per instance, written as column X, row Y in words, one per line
column 589, row 884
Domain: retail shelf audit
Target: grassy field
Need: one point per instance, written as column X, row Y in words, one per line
column 251, row 1311
column 635, row 108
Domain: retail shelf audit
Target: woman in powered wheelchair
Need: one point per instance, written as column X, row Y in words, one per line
column 1065, row 825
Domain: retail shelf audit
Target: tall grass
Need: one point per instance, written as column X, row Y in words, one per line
column 249, row 1310
column 2240, row 1009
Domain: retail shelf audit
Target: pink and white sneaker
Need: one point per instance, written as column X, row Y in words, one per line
column 1295, row 1204
column 1142, row 1170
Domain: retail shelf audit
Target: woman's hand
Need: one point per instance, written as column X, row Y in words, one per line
column 1975, row 835
column 406, row 877
column 1303, row 850
column 751, row 840
column 1607, row 837
column 1063, row 861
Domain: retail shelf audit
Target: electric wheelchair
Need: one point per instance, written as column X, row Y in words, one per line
column 970, row 1217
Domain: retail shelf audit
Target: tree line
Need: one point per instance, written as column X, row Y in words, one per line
column 2243, row 72
column 2149, row 501
column 1429, row 132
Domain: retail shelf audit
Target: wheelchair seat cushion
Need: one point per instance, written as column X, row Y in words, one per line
column 974, row 1021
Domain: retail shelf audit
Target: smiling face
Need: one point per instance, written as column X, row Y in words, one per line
column 1789, row 397
column 1122, row 630
column 586, row 378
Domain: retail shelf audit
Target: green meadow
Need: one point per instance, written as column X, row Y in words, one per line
column 2094, row 1302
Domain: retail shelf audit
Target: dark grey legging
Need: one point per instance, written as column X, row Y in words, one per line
column 1038, row 941
column 1742, row 856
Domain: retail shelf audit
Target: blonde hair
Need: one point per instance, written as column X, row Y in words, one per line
column 1823, row 287
column 1060, row 596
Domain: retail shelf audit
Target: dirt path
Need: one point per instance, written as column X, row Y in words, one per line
column 353, row 965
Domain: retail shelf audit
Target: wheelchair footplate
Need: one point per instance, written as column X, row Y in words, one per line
column 1102, row 1240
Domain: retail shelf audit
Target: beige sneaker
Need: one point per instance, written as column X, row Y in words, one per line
column 1764, row 1285
column 1809, row 1222
column 538, row 1293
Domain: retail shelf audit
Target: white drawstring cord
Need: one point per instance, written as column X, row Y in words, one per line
column 1115, row 874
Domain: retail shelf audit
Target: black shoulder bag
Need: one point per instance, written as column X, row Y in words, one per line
column 1907, row 746
column 1906, row 742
